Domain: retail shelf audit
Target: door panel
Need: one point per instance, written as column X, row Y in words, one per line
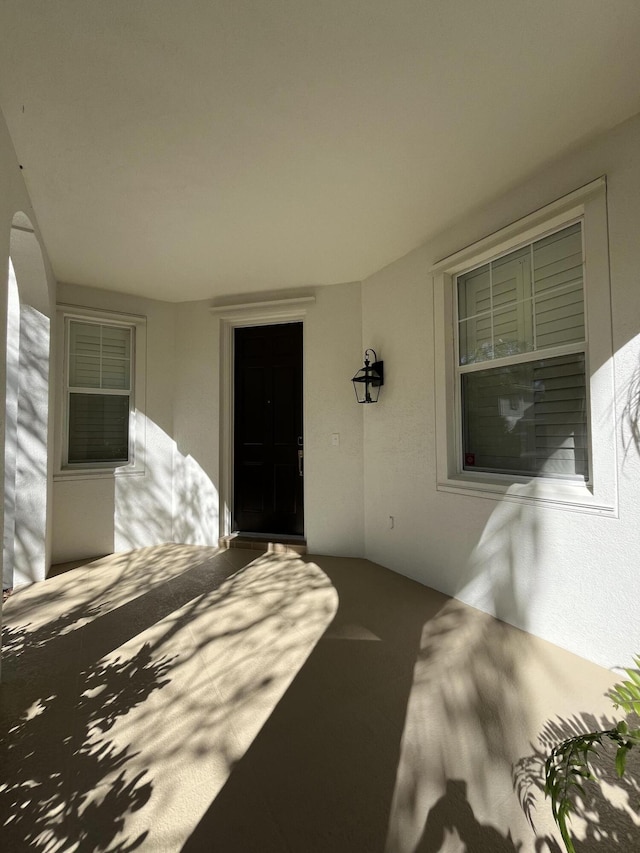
column 254, row 391
column 284, row 482
column 268, row 483
column 253, row 488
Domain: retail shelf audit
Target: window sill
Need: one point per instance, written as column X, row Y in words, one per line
column 553, row 494
column 69, row 474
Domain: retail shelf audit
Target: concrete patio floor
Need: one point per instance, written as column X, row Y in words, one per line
column 192, row 699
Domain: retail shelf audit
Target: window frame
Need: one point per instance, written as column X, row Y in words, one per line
column 136, row 325
column 529, row 357
column 598, row 494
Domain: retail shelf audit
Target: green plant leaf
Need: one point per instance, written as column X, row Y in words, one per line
column 626, row 695
column 568, row 766
column 569, row 762
column 634, row 675
column 621, row 759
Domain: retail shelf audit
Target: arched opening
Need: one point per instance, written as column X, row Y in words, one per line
column 27, row 410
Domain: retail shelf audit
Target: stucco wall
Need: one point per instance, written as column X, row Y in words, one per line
column 178, row 496
column 196, row 426
column 566, row 576
column 334, row 521
column 32, row 430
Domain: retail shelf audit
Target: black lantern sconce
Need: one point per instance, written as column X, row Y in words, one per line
column 369, row 378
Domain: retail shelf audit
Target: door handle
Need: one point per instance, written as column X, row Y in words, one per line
column 300, row 456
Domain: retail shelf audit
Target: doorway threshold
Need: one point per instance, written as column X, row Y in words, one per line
column 272, row 543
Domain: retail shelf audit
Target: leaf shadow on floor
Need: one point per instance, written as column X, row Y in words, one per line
column 606, row 816
column 64, row 784
column 75, row 691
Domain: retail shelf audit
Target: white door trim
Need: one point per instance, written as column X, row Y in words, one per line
column 231, row 317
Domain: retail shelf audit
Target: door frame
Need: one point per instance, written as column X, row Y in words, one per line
column 267, row 313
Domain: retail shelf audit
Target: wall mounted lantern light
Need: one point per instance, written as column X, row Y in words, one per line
column 369, row 378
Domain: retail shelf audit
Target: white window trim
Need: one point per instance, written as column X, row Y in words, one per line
column 102, row 470
column 599, row 494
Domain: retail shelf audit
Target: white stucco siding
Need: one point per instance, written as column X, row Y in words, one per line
column 29, row 527
column 333, row 352
column 564, row 575
column 196, row 426
column 177, row 498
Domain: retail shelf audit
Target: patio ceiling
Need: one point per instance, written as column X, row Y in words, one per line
column 187, row 150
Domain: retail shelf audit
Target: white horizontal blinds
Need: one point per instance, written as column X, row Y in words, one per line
column 99, row 356
column 527, row 300
column 84, row 355
column 99, row 385
column 98, row 428
column 528, row 418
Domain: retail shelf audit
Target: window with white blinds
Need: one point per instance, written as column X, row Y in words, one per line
column 521, row 360
column 99, row 393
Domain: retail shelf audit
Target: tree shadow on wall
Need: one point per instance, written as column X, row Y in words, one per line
column 630, row 420
column 146, row 510
column 606, row 815
column 25, row 456
column 65, row 785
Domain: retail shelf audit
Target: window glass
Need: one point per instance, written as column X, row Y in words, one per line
column 528, row 418
column 98, row 428
column 474, row 292
column 560, row 317
column 476, row 339
column 527, row 300
column 98, row 397
column 511, row 277
column 512, row 330
column 84, row 355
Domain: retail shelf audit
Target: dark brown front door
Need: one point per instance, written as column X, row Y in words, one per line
column 268, row 463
